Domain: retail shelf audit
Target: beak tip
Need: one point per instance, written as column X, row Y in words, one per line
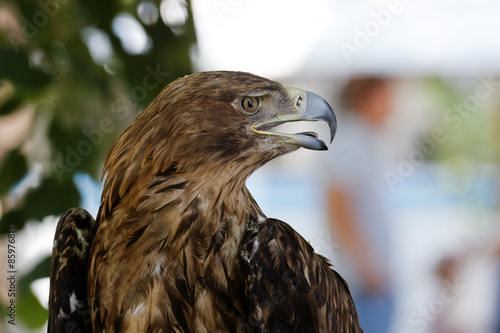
column 319, row 109
column 333, row 131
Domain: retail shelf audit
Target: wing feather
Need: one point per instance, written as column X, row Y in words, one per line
column 290, row 288
column 68, row 305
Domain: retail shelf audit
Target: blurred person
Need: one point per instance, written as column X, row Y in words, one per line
column 356, row 200
column 447, row 271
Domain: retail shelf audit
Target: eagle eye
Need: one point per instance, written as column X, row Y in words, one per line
column 250, row 104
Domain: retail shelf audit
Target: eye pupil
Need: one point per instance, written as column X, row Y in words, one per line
column 250, row 104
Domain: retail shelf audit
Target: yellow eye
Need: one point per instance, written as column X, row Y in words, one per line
column 250, row 104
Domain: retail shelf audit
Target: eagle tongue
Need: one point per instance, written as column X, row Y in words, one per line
column 311, row 134
column 308, row 140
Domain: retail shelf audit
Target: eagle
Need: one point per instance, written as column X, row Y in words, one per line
column 179, row 244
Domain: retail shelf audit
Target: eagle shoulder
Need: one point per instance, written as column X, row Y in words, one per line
column 290, row 288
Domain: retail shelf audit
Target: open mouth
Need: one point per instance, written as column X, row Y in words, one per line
column 268, row 126
column 306, row 139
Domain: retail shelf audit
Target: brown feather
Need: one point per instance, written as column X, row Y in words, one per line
column 177, row 220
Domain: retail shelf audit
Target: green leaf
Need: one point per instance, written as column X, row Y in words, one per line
column 53, row 197
column 19, row 70
column 13, row 217
column 12, row 170
column 41, row 270
column 12, row 105
column 75, row 151
column 29, row 310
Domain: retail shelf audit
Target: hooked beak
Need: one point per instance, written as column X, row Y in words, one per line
column 307, row 106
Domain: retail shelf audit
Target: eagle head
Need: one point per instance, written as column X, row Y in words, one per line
column 220, row 121
column 217, row 117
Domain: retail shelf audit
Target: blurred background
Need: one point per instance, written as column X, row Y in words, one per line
column 406, row 201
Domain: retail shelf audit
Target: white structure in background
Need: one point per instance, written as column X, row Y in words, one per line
column 279, row 38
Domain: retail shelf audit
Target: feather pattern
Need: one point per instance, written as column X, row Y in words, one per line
column 68, row 302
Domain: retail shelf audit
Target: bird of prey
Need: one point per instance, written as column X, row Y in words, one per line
column 179, row 244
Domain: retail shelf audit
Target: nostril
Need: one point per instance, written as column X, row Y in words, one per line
column 299, row 101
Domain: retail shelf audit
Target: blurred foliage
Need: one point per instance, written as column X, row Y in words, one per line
column 52, row 197
column 81, row 100
column 467, row 148
column 470, row 124
column 32, row 313
column 13, row 165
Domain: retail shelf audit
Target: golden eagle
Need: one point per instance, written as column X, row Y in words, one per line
column 179, row 244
